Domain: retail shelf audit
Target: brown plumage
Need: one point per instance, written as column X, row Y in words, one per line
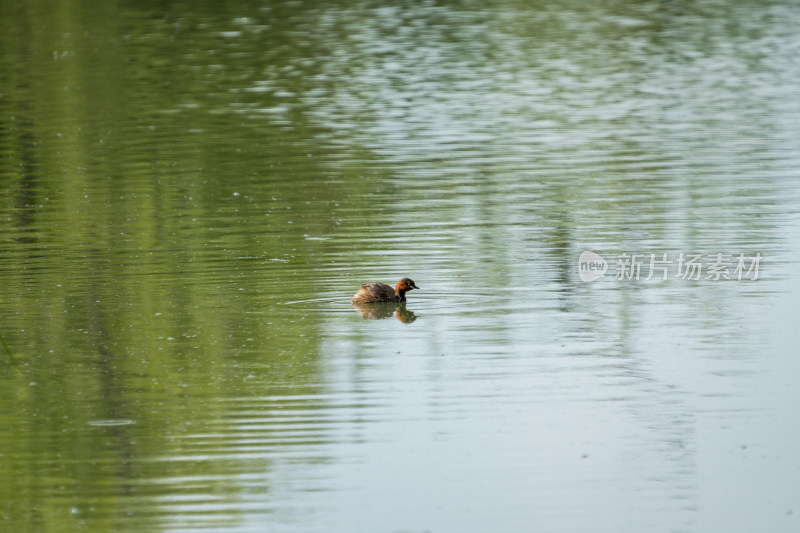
column 381, row 292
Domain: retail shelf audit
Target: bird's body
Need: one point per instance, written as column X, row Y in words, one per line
column 383, row 293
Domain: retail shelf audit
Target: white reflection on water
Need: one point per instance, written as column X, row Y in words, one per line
column 520, row 399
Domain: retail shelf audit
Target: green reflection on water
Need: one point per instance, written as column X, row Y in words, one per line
column 151, row 236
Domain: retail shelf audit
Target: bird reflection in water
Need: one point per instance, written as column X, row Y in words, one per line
column 377, row 311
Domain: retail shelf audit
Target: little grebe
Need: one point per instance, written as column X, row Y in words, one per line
column 381, row 292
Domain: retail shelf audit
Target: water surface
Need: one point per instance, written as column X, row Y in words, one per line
column 191, row 195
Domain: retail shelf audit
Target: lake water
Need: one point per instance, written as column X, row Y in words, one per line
column 190, row 195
